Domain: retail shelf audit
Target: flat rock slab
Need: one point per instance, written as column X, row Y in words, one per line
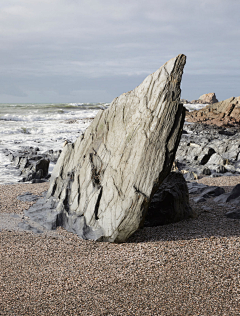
column 28, row 197
column 102, row 184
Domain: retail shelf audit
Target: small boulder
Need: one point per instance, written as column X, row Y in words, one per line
column 233, row 214
column 208, row 98
column 170, row 204
column 212, row 191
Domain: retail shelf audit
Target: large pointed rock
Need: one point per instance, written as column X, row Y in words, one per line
column 102, row 184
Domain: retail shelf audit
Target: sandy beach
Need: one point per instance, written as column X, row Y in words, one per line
column 187, row 268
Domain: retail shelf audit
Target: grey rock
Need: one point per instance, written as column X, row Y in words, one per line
column 196, row 188
column 216, row 159
column 27, row 197
column 212, row 191
column 43, row 165
column 103, row 183
column 170, row 204
column 190, row 176
column 233, row 214
column 217, row 168
column 235, row 193
column 26, row 226
column 233, row 196
column 230, row 168
column 205, row 155
column 199, row 199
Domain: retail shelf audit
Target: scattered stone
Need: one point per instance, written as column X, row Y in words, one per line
column 102, row 185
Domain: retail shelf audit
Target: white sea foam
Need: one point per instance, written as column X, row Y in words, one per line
column 193, row 107
column 43, row 126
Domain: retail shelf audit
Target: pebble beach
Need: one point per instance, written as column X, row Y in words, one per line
column 187, row 268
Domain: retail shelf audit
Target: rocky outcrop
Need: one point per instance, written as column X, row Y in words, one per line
column 208, row 150
column 170, row 204
column 33, row 164
column 102, row 185
column 208, row 98
column 224, row 113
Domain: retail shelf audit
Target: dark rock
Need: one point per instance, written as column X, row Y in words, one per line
column 205, row 155
column 29, row 160
column 39, row 180
column 227, row 133
column 235, row 193
column 212, row 191
column 170, row 204
column 233, row 214
column 199, row 199
column 27, row 197
column 42, row 165
column 207, row 171
column 233, row 196
column 196, row 188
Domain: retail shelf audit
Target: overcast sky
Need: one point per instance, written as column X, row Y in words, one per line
column 94, row 50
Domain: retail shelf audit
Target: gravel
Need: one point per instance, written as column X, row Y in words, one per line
column 187, row 268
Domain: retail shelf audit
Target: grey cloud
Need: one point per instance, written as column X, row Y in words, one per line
column 50, row 48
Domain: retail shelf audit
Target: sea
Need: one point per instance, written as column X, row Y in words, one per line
column 46, row 126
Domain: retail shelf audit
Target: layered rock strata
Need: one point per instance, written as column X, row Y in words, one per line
column 224, row 113
column 102, row 184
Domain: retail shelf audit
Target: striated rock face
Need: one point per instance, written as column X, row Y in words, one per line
column 224, row 113
column 208, row 98
column 102, row 184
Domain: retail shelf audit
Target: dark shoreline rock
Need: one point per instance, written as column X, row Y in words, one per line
column 32, row 164
column 170, row 203
column 208, row 151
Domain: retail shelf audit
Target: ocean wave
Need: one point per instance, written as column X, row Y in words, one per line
column 193, row 107
column 56, row 116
